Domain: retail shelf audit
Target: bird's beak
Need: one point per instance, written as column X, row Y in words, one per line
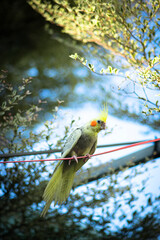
column 103, row 125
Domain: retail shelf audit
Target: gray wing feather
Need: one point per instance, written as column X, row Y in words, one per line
column 71, row 142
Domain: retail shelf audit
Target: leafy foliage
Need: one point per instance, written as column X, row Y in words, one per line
column 14, row 124
column 18, row 181
column 22, row 185
column 129, row 30
column 145, row 77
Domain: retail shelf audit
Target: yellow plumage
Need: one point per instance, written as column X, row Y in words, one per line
column 81, row 142
column 59, row 186
column 104, row 113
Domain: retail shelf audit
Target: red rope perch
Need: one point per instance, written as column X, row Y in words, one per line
column 97, row 154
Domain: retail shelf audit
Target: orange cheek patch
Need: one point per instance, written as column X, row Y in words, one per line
column 93, row 123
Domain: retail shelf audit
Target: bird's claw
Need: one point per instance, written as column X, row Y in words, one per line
column 75, row 158
column 88, row 156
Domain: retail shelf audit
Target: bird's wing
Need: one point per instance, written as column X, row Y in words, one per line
column 93, row 149
column 71, row 142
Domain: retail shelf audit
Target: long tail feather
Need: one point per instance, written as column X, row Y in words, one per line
column 59, row 186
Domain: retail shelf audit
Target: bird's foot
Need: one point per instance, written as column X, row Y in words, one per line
column 88, row 156
column 74, row 158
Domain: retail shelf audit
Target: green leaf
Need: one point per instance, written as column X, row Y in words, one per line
column 91, row 66
column 74, row 56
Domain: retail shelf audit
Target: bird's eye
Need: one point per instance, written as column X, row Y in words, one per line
column 99, row 122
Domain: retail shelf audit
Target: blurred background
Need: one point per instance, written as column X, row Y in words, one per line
column 50, row 95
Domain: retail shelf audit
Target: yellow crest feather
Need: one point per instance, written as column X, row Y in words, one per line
column 104, row 113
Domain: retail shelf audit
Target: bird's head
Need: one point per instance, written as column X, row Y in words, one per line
column 99, row 123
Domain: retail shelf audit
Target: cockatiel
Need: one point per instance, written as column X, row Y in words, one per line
column 81, row 142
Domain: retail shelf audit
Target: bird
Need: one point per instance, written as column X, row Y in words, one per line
column 81, row 142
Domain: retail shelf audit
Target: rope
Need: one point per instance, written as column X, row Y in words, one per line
column 56, row 150
column 97, row 154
